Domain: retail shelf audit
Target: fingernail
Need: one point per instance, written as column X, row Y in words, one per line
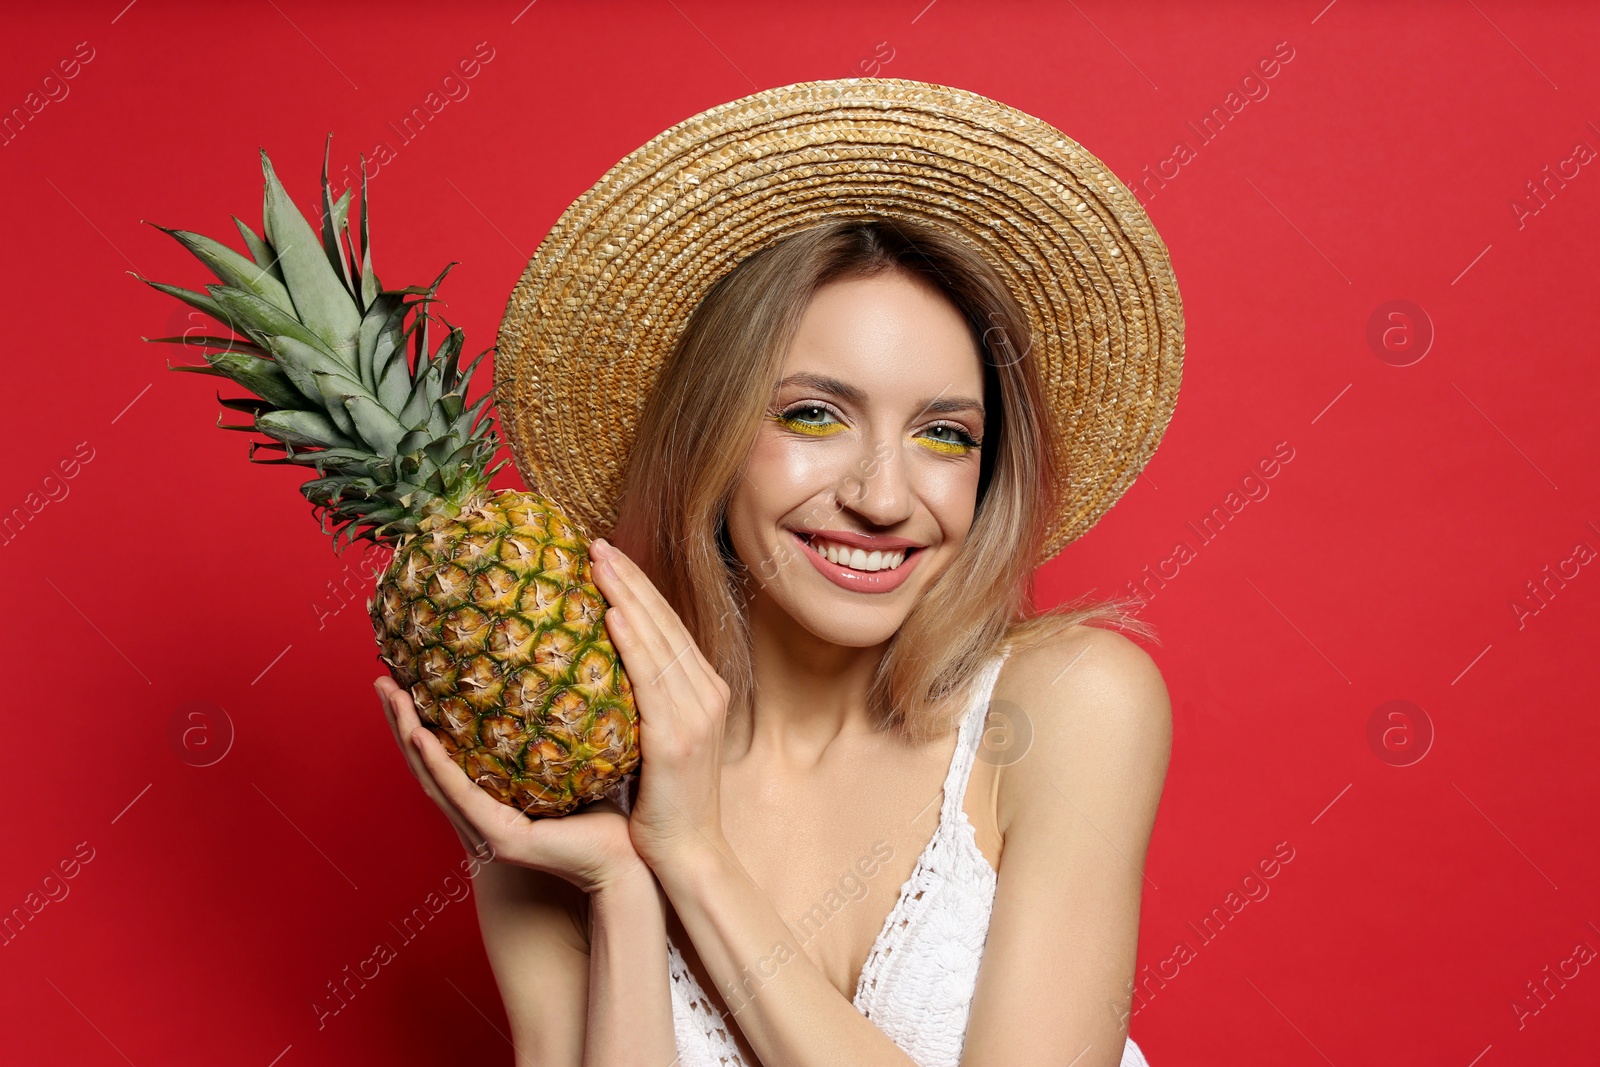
column 599, row 548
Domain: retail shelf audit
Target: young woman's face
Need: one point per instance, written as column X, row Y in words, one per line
column 862, row 483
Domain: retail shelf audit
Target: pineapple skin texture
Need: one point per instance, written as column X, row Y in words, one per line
column 491, row 621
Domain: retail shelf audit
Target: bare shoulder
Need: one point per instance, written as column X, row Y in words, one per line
column 1098, row 720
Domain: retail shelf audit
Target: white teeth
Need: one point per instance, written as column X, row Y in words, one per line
column 858, row 559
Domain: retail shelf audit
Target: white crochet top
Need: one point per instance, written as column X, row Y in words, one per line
column 919, row 978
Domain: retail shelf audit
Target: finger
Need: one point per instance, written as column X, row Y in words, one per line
column 403, row 717
column 439, row 782
column 646, row 653
column 679, row 672
column 402, row 714
column 639, row 584
column 388, row 713
column 644, row 592
column 495, row 822
column 652, row 664
column 666, row 641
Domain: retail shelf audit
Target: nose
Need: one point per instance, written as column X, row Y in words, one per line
column 877, row 487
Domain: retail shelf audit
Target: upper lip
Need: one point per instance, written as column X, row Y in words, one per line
column 859, row 540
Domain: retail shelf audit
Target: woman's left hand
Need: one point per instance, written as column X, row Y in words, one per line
column 682, row 704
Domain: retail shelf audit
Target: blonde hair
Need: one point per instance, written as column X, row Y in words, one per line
column 715, row 388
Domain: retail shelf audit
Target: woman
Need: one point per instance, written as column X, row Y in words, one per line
column 886, row 814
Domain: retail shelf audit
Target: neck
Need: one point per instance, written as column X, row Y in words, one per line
column 808, row 692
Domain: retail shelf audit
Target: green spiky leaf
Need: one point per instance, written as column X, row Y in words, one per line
column 334, row 388
column 381, row 330
column 227, row 344
column 344, row 377
column 334, row 216
column 369, row 280
column 377, row 427
column 233, row 269
column 198, row 301
column 263, row 377
column 320, row 298
column 305, row 429
column 257, row 319
column 263, row 256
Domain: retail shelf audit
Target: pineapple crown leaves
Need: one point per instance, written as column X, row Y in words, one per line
column 341, row 371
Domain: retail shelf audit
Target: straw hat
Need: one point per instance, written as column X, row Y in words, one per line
column 611, row 286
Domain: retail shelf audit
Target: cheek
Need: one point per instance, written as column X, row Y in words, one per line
column 791, row 467
column 776, row 480
column 950, row 492
column 782, row 474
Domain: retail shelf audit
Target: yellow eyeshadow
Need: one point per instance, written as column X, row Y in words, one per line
column 811, row 428
column 952, row 447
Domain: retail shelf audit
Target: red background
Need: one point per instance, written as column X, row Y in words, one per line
column 1384, row 563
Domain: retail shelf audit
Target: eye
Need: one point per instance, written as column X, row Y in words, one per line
column 810, row 417
column 950, row 438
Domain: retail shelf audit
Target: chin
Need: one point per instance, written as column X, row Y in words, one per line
column 867, row 630
column 849, row 620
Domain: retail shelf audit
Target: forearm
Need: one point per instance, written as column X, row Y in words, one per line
column 630, row 1002
column 787, row 1009
column 534, row 938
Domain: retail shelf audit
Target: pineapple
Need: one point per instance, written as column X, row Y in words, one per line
column 486, row 613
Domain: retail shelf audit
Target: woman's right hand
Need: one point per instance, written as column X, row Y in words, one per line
column 591, row 848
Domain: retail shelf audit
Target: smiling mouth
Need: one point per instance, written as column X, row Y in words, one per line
column 857, row 559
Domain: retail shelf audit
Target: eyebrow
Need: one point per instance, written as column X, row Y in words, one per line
column 940, row 404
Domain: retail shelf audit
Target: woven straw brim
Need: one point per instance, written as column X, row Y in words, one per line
column 610, row 288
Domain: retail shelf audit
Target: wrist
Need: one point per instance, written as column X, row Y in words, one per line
column 628, row 881
column 626, row 902
column 691, row 864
